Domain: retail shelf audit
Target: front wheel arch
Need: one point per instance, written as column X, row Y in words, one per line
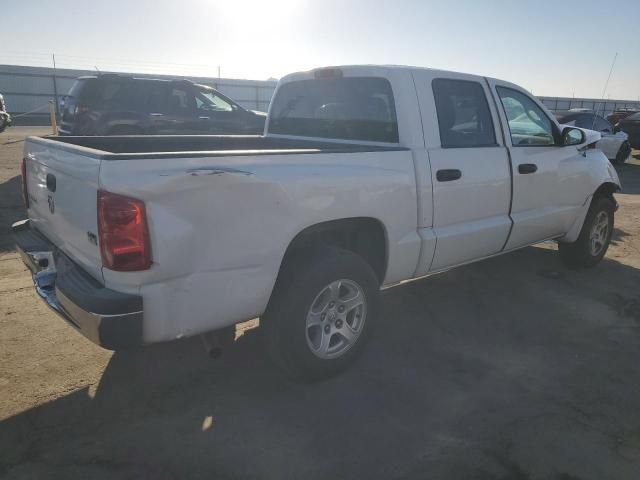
column 606, row 189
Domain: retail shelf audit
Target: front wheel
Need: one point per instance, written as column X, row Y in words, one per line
column 594, row 238
column 322, row 312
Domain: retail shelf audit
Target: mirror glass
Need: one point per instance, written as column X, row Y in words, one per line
column 572, row 136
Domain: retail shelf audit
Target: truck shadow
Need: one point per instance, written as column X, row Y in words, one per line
column 503, row 356
column 629, row 174
column 11, row 210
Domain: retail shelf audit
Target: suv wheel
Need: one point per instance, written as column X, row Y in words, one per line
column 594, row 238
column 321, row 313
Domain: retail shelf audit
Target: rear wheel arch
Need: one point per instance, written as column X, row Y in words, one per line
column 364, row 236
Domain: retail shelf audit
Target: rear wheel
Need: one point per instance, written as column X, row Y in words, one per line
column 594, row 238
column 321, row 313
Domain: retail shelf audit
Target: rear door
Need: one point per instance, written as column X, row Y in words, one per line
column 62, row 189
column 610, row 142
column 171, row 109
column 547, row 177
column 631, row 126
column 469, row 167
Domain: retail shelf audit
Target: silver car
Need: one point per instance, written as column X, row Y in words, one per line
column 614, row 143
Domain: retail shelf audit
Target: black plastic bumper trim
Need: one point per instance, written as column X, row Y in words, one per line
column 112, row 319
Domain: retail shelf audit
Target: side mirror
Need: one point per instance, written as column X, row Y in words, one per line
column 617, row 129
column 572, row 136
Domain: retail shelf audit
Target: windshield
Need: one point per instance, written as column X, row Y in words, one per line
column 354, row 108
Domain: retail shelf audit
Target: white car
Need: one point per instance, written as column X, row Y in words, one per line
column 614, row 142
column 366, row 176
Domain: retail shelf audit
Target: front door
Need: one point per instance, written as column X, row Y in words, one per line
column 547, row 177
column 216, row 116
column 469, row 168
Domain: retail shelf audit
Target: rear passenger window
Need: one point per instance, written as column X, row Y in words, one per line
column 464, row 117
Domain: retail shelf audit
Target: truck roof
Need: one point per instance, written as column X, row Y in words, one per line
column 372, row 70
column 144, row 79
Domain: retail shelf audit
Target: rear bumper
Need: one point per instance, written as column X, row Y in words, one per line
column 108, row 318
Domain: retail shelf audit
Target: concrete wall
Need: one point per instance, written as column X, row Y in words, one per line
column 30, row 88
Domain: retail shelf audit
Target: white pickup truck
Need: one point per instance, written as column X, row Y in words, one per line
column 366, row 176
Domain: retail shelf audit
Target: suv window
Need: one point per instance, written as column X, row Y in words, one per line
column 352, row 108
column 528, row 124
column 151, row 96
column 602, row 125
column 210, row 101
column 588, row 120
column 464, row 117
column 181, row 100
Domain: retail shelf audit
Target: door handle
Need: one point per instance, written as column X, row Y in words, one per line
column 525, row 168
column 448, row 175
column 204, row 118
column 51, row 182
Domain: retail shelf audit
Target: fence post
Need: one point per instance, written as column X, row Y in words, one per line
column 52, row 118
column 55, row 85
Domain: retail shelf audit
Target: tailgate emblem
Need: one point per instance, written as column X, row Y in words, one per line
column 52, row 205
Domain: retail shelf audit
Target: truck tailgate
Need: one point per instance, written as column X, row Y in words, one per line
column 62, row 188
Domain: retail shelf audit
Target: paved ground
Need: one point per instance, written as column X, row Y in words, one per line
column 514, row 368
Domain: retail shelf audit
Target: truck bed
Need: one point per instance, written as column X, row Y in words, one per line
column 164, row 146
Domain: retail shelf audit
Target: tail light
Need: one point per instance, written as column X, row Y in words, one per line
column 23, row 173
column 123, row 233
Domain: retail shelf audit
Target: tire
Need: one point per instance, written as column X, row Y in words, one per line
column 594, row 238
column 309, row 300
column 3, row 124
column 623, row 153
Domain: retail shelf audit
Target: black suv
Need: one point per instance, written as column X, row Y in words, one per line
column 631, row 126
column 111, row 104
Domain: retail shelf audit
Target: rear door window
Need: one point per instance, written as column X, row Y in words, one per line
column 181, row 100
column 601, row 125
column 150, row 96
column 464, row 118
column 352, row 108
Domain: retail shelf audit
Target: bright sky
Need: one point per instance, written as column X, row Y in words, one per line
column 551, row 47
